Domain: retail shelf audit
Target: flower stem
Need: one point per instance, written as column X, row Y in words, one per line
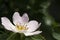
column 22, row 37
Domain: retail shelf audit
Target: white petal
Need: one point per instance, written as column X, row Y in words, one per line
column 33, row 33
column 7, row 24
column 32, row 26
column 17, row 19
column 25, row 18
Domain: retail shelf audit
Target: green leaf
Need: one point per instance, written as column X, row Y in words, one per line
column 28, row 38
column 36, row 37
column 3, row 36
column 14, row 36
column 3, row 33
column 56, row 35
column 57, row 29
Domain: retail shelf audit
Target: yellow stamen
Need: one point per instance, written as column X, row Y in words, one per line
column 19, row 27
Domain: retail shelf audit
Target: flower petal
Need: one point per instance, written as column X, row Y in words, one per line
column 32, row 26
column 7, row 24
column 17, row 19
column 33, row 33
column 25, row 18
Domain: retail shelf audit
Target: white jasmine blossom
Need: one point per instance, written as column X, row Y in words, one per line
column 21, row 24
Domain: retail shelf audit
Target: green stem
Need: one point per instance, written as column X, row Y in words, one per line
column 21, row 36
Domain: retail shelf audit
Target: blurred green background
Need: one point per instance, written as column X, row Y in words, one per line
column 45, row 11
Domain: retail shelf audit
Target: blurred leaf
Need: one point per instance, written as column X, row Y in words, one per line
column 14, row 36
column 48, row 21
column 28, row 38
column 45, row 5
column 56, row 35
column 57, row 29
column 36, row 37
column 3, row 36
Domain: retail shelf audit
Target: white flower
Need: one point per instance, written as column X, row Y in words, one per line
column 21, row 24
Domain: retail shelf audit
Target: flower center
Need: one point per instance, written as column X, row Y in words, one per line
column 19, row 27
